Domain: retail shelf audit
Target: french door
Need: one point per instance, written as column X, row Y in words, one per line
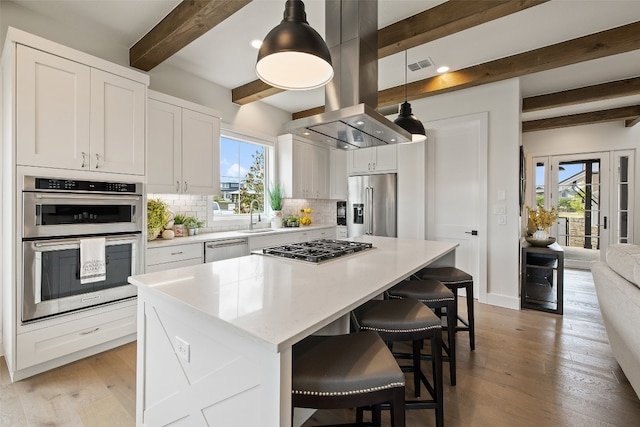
column 593, row 193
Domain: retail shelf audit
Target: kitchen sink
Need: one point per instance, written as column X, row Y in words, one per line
column 257, row 231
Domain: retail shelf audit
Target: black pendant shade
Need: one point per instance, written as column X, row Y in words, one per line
column 293, row 56
column 406, row 120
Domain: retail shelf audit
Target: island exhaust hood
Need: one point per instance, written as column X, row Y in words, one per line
column 350, row 119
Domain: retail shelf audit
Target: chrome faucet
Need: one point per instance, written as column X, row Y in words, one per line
column 251, row 213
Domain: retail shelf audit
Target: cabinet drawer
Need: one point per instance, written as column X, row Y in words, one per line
column 175, row 264
column 174, row 253
column 43, row 345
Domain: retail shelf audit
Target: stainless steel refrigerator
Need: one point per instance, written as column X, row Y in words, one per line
column 371, row 205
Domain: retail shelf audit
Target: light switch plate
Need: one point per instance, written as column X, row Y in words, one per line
column 182, row 349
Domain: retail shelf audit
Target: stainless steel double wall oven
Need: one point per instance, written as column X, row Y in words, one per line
column 57, row 215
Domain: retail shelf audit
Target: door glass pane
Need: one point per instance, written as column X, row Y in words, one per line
column 540, row 179
column 622, row 233
column 579, row 209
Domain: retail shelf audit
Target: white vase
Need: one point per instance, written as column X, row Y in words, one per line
column 540, row 234
column 276, row 219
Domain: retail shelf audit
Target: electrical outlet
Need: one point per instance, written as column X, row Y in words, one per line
column 502, row 219
column 182, row 349
column 499, row 209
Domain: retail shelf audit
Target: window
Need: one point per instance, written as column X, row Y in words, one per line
column 242, row 177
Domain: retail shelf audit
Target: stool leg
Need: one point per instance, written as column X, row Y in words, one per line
column 398, row 408
column 376, row 415
column 452, row 318
column 417, row 369
column 436, row 350
column 471, row 316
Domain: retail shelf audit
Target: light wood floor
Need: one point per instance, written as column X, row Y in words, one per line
column 529, row 369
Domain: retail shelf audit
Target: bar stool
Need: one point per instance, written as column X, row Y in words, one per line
column 408, row 320
column 347, row 371
column 436, row 296
column 454, row 279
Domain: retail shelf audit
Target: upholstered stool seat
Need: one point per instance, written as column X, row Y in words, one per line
column 436, row 296
column 347, row 371
column 454, row 279
column 409, row 320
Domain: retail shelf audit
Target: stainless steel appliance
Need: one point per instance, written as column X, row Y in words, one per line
column 317, row 251
column 225, row 249
column 372, row 205
column 58, row 214
column 341, row 213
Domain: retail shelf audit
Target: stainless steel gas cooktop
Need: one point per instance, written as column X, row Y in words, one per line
column 317, row 251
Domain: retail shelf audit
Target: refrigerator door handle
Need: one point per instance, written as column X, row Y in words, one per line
column 370, row 210
column 366, row 210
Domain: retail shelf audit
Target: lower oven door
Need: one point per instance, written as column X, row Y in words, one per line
column 51, row 279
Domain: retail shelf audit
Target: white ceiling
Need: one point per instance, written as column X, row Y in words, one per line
column 224, row 56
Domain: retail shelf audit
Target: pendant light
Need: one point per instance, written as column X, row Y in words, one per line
column 293, row 56
column 406, row 120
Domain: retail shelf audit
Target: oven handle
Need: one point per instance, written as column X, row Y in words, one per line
column 70, row 243
column 85, row 196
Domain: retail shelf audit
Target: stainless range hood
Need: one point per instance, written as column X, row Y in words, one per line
column 350, row 119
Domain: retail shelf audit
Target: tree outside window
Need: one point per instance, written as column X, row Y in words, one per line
column 242, row 175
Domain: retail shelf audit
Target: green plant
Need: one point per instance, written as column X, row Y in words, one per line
column 193, row 222
column 157, row 216
column 179, row 219
column 275, row 197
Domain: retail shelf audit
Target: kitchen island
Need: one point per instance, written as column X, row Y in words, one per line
column 214, row 340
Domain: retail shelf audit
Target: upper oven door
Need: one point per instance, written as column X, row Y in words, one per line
column 72, row 214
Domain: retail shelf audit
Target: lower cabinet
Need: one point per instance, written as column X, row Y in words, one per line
column 175, row 256
column 65, row 338
column 300, row 235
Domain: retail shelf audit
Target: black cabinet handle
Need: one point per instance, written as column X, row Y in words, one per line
column 472, row 232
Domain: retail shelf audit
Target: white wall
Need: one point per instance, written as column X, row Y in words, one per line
column 585, row 139
column 502, row 101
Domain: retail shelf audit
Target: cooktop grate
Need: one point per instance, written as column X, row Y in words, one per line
column 317, row 251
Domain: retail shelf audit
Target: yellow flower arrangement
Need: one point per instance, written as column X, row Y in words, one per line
column 542, row 218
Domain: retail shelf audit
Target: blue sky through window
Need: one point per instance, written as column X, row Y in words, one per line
column 236, row 158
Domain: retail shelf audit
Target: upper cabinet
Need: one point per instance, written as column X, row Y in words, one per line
column 303, row 169
column 381, row 159
column 183, row 147
column 73, row 116
column 339, row 178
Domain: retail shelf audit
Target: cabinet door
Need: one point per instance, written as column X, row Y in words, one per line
column 200, row 152
column 386, row 158
column 117, row 124
column 302, row 156
column 53, row 101
column 338, row 174
column 361, row 160
column 319, row 172
column 164, row 151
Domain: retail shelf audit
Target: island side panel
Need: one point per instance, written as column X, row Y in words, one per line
column 194, row 370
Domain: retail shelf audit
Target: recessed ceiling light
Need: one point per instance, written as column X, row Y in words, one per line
column 443, row 69
column 256, row 44
column 305, row 133
column 393, row 140
column 359, row 122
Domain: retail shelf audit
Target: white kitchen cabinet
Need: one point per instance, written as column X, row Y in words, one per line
column 381, row 159
column 338, row 176
column 303, row 169
column 174, row 256
column 72, row 116
column 184, row 147
column 272, row 239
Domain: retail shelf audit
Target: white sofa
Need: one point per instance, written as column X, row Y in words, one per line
column 617, row 285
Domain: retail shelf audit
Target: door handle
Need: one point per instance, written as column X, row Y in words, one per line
column 472, row 232
column 605, row 223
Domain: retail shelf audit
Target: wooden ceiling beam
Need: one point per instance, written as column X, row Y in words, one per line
column 624, row 113
column 440, row 21
column 632, row 122
column 186, row 22
column 443, row 20
column 597, row 92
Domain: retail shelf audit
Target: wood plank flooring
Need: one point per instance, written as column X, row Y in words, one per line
column 529, row 369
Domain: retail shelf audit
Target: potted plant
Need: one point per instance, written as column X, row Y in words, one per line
column 157, row 217
column 192, row 224
column 275, row 200
column 178, row 225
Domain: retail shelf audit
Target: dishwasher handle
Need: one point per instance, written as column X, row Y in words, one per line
column 229, row 242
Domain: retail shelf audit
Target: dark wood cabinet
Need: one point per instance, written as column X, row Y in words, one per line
column 542, row 278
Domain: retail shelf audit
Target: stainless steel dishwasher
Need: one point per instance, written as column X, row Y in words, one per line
column 225, row 249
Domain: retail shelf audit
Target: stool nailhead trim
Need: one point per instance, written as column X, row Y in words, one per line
column 401, row 330
column 424, row 300
column 348, row 392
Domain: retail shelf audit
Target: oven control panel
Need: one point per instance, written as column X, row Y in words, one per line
column 79, row 185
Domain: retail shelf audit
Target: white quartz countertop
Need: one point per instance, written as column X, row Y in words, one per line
column 221, row 235
column 280, row 301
